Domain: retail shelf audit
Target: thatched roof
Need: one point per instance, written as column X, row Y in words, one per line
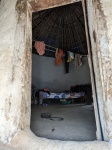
column 62, row 27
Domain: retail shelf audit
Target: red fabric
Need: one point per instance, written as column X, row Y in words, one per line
column 40, row 47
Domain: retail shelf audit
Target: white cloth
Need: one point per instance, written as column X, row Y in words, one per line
column 78, row 62
column 70, row 56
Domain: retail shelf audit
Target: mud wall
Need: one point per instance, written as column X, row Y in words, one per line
column 15, row 67
column 99, row 17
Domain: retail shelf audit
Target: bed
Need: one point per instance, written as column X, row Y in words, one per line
column 63, row 95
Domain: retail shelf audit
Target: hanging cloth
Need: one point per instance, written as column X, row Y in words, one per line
column 40, row 47
column 66, row 63
column 78, row 62
column 59, row 53
column 70, row 56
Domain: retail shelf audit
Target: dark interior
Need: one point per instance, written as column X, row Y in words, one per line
column 62, row 101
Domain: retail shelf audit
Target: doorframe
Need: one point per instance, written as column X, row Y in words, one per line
column 99, row 132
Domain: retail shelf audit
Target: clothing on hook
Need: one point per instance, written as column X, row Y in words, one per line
column 40, row 47
column 78, row 61
column 59, row 53
column 70, row 56
column 66, row 63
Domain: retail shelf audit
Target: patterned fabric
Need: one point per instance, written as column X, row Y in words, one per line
column 43, row 95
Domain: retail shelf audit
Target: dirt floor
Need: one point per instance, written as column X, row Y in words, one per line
column 26, row 140
column 78, row 123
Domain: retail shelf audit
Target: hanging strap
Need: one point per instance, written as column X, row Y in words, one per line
column 51, row 46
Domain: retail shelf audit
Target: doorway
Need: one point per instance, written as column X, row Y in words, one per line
column 19, row 98
column 62, row 28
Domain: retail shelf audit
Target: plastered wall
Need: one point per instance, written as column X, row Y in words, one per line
column 45, row 74
column 15, row 68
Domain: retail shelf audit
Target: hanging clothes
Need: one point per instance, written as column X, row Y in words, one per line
column 40, row 47
column 78, row 62
column 66, row 63
column 70, row 56
column 59, row 53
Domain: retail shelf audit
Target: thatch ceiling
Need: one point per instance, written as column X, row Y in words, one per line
column 61, row 27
